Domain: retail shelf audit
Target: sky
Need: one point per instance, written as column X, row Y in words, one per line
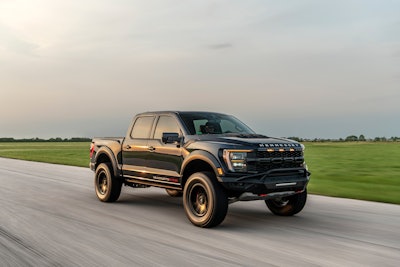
column 305, row 68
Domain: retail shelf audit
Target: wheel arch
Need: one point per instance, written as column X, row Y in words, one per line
column 104, row 155
column 199, row 161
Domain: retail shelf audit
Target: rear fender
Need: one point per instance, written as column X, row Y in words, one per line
column 105, row 154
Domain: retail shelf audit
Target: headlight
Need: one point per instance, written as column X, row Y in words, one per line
column 236, row 160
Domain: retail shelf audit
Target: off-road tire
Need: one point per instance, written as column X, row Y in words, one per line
column 107, row 186
column 204, row 200
column 287, row 206
column 174, row 193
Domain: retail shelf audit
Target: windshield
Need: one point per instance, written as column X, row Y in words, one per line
column 213, row 123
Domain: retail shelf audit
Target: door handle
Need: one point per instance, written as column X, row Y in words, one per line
column 128, row 147
column 151, row 148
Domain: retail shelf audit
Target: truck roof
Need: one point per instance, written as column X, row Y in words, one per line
column 177, row 112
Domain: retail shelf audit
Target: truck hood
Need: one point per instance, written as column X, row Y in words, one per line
column 252, row 140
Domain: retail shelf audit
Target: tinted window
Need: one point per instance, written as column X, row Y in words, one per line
column 142, row 127
column 229, row 126
column 213, row 123
column 197, row 125
column 166, row 124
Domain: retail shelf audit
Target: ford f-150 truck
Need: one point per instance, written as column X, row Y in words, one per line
column 210, row 159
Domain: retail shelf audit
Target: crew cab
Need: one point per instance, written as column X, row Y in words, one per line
column 209, row 159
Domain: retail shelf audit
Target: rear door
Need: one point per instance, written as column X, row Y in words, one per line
column 135, row 149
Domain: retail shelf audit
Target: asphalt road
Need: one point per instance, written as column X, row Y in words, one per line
column 50, row 216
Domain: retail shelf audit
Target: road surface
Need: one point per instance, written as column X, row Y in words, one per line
column 50, row 216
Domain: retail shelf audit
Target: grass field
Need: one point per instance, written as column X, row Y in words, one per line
column 69, row 153
column 360, row 170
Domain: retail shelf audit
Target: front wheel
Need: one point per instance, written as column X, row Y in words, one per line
column 107, row 186
column 287, row 206
column 204, row 200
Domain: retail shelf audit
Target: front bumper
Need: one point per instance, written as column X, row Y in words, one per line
column 274, row 180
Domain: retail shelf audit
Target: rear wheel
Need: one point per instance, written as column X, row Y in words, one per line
column 174, row 193
column 287, row 206
column 107, row 186
column 204, row 200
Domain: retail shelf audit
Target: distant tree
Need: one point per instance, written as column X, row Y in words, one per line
column 80, row 139
column 351, row 138
column 361, row 137
column 7, row 139
column 298, row 139
column 394, row 139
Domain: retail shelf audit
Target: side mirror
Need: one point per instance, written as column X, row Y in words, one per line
column 170, row 138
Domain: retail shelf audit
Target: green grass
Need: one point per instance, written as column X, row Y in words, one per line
column 68, row 153
column 360, row 170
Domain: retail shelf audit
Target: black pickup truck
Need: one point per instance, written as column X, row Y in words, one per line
column 210, row 159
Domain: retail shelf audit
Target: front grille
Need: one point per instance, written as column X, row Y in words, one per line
column 267, row 160
column 278, row 154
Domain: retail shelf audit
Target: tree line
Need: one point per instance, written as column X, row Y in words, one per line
column 56, row 139
column 350, row 138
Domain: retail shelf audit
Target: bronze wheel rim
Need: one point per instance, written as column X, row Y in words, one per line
column 198, row 200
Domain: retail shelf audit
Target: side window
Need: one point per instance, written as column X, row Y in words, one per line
column 142, row 127
column 166, row 124
column 198, row 124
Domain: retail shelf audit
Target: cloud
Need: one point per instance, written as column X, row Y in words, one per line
column 10, row 41
column 396, row 53
column 221, row 46
column 274, row 58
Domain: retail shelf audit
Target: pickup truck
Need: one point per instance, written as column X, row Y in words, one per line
column 209, row 159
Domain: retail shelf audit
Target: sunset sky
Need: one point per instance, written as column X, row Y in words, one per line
column 307, row 68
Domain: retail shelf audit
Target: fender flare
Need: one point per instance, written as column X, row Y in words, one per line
column 108, row 152
column 205, row 156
